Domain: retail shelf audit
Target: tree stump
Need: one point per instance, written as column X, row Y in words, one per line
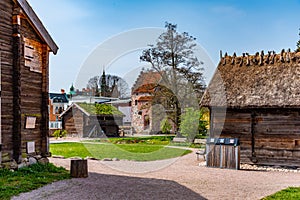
column 79, row 168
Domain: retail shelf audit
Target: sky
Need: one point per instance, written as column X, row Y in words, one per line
column 110, row 34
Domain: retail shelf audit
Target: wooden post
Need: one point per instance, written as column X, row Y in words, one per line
column 79, row 168
column 17, row 54
column 44, row 128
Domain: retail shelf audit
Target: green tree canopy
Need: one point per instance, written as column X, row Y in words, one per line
column 191, row 124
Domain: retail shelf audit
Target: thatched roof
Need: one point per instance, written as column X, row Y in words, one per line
column 263, row 81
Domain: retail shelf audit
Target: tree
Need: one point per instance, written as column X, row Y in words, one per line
column 93, row 85
column 165, row 126
column 110, row 86
column 114, row 86
column 182, row 77
column 192, row 123
column 298, row 43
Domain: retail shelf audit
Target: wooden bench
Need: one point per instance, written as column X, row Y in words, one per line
column 177, row 139
column 199, row 141
column 201, row 152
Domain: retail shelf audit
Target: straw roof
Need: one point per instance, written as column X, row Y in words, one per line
column 250, row 81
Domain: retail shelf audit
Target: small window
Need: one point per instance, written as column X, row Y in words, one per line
column 56, row 110
column 60, row 110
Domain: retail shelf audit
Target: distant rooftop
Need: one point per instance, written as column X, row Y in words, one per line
column 58, row 98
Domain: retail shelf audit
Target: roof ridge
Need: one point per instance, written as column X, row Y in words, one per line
column 38, row 25
column 260, row 58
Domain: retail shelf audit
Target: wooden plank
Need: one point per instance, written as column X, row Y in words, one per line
column 276, row 132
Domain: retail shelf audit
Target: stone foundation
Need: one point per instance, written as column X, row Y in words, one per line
column 25, row 162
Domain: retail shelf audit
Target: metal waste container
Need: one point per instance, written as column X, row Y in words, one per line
column 223, row 153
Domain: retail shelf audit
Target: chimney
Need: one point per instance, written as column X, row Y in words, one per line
column 62, row 91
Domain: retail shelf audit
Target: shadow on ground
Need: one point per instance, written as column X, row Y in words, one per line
column 101, row 186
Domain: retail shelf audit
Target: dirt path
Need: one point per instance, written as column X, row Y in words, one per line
column 176, row 179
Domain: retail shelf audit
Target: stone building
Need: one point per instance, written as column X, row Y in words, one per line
column 141, row 102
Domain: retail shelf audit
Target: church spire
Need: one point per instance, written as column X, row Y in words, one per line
column 72, row 91
column 103, row 84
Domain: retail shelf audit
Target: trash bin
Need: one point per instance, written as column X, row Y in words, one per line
column 223, row 153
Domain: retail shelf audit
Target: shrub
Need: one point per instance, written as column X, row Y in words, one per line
column 60, row 133
column 192, row 124
column 165, row 126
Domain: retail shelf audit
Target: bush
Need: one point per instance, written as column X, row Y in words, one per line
column 60, row 133
column 192, row 125
column 165, row 126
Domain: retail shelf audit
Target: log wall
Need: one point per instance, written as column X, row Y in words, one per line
column 73, row 122
column 32, row 88
column 267, row 136
column 78, row 123
column 24, row 91
column 6, row 40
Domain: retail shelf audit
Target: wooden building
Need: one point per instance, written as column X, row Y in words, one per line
column 256, row 98
column 24, row 62
column 85, row 120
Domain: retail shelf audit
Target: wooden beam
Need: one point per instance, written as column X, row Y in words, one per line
column 17, row 54
column 44, row 106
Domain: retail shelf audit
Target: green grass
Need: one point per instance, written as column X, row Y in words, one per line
column 157, row 140
column 29, row 178
column 138, row 152
column 291, row 193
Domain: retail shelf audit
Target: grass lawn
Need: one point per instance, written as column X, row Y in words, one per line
column 291, row 193
column 138, row 152
column 29, row 178
column 156, row 140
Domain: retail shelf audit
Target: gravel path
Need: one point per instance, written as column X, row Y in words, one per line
column 181, row 178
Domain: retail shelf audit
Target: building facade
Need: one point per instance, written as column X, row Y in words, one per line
column 83, row 120
column 58, row 103
column 256, row 98
column 143, row 120
column 24, row 62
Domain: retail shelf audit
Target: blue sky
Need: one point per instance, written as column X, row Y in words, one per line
column 80, row 26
